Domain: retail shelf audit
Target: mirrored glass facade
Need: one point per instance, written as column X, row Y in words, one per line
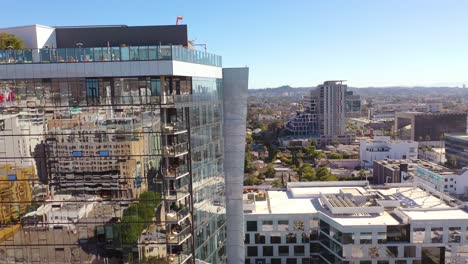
column 112, row 169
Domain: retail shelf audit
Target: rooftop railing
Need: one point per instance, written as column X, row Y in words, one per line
column 108, row 54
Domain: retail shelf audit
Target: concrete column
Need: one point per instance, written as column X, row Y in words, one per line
column 235, row 85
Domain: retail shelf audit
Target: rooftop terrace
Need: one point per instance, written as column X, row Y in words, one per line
column 108, row 54
column 358, row 204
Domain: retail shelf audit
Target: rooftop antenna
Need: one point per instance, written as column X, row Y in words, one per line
column 179, row 18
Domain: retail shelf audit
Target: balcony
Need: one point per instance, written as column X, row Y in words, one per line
column 176, row 172
column 179, row 234
column 179, row 258
column 178, row 194
column 108, row 54
column 170, row 100
column 176, row 150
column 177, row 216
column 174, row 127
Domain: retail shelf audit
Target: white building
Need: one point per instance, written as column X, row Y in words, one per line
column 64, row 211
column 382, row 147
column 438, row 177
column 351, row 222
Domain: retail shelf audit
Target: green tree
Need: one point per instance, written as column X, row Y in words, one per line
column 307, row 172
column 336, row 156
column 10, row 40
column 270, row 172
column 322, row 173
column 313, row 142
column 264, row 127
column 428, row 138
column 452, row 162
column 252, row 180
column 362, row 173
column 277, row 183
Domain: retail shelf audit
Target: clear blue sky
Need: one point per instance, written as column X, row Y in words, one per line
column 300, row 43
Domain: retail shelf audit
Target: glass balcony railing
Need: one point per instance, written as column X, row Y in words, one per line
column 181, row 258
column 177, row 237
column 176, row 172
column 176, row 216
column 176, row 150
column 107, row 54
column 178, row 194
column 174, row 127
column 176, row 99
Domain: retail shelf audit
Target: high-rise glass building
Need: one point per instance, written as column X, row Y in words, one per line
column 112, row 146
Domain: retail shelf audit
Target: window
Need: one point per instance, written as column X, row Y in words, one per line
column 267, row 251
column 291, row 238
column 410, row 252
column 392, row 252
column 247, row 261
column 247, row 239
column 419, row 234
column 275, row 239
column 251, row 226
column 291, row 261
column 454, row 235
column 275, row 261
column 298, row 250
column 252, row 251
column 437, row 234
column 259, row 238
column 267, row 225
column 283, row 250
column 366, row 238
column 283, row 225
column 298, row 225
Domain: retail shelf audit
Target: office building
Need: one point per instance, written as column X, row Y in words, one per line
column 420, row 126
column 382, row 147
column 456, row 149
column 352, row 222
column 134, row 116
column 324, row 116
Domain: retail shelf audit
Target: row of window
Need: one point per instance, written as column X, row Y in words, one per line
column 268, row 251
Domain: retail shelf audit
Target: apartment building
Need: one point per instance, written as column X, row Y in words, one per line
column 383, row 147
column 324, row 116
column 127, row 111
column 352, row 222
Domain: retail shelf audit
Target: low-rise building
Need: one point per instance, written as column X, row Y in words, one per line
column 383, row 147
column 440, row 178
column 64, row 211
column 352, row 222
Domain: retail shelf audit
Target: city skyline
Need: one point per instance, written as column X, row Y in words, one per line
column 384, row 43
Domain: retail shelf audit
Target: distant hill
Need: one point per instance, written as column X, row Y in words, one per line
column 396, row 91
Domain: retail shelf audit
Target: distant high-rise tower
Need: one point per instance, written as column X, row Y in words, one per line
column 325, row 112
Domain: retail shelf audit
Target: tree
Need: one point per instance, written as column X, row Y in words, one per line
column 270, row 172
column 252, row 180
column 322, row 173
column 313, row 142
column 307, row 172
column 10, row 41
column 336, row 156
column 264, row 127
column 452, row 162
column 428, row 138
column 362, row 173
column 277, row 183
